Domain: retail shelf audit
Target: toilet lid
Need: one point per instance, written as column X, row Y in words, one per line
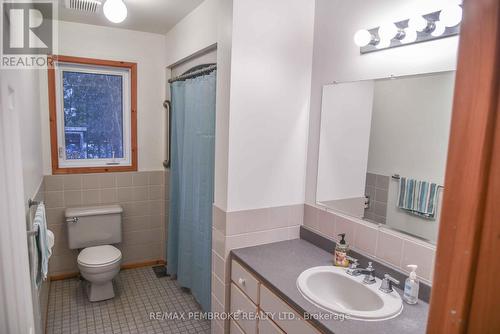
column 99, row 255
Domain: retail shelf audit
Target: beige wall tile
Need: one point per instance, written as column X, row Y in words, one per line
column 297, row 214
column 107, row 180
column 141, row 193
column 55, row 216
column 326, row 223
column 91, row 197
column 135, row 223
column 219, row 290
column 246, row 221
column 140, row 179
column 219, row 219
column 219, row 243
column 54, row 199
column 157, row 221
column 72, row 182
column 90, row 181
column 389, row 248
column 219, row 267
column 73, row 198
column 109, row 196
column 423, row 256
column 54, row 182
column 366, row 238
column 156, row 177
column 156, row 192
column 279, row 216
column 156, row 208
column 343, row 225
column 124, row 179
column 311, row 216
column 125, row 194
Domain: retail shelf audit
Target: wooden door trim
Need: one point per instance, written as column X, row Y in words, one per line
column 470, row 159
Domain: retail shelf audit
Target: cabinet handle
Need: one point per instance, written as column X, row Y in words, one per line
column 241, row 281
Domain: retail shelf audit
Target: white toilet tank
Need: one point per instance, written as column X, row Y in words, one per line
column 94, row 226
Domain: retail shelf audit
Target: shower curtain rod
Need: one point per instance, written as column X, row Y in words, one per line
column 194, row 73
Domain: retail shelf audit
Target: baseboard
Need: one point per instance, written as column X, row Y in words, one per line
column 125, row 266
column 141, row 264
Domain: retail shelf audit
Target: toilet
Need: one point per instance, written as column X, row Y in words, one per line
column 94, row 230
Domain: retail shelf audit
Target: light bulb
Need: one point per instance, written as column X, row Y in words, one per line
column 384, row 43
column 417, row 23
column 451, row 16
column 387, row 31
column 410, row 36
column 439, row 29
column 115, row 10
column 362, row 37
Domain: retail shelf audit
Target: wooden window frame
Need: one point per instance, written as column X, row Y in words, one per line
column 132, row 67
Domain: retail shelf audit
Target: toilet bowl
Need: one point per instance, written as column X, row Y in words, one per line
column 99, row 265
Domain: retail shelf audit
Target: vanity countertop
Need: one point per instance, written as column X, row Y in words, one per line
column 279, row 265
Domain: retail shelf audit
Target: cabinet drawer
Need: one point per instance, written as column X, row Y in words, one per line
column 245, row 281
column 271, row 303
column 240, row 303
column 234, row 328
column 267, row 326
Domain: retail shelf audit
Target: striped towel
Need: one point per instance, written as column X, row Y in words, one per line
column 418, row 197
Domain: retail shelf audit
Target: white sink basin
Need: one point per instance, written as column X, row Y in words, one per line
column 331, row 289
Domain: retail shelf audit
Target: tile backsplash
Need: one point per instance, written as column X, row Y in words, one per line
column 143, row 196
column 377, row 190
column 387, row 246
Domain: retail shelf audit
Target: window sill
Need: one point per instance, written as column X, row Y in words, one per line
column 89, row 170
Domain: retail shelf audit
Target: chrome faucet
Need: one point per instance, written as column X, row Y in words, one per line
column 353, row 267
column 353, row 270
column 387, row 283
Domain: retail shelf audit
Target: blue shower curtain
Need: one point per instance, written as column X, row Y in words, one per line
column 192, row 184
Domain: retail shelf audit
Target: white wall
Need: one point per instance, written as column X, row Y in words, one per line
column 269, row 103
column 148, row 51
column 196, row 32
column 337, row 58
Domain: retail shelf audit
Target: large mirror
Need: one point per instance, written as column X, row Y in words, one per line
column 383, row 147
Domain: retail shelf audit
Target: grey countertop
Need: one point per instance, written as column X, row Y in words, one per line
column 278, row 265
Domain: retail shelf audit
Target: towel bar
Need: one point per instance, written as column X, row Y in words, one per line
column 32, row 203
column 397, row 177
column 33, row 232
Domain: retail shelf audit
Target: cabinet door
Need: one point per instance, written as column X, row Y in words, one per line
column 244, row 309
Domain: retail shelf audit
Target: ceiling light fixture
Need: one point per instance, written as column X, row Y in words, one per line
column 115, row 10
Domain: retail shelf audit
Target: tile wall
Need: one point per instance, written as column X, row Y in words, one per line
column 394, row 249
column 240, row 229
column 377, row 189
column 143, row 196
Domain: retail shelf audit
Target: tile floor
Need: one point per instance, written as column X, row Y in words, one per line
column 138, row 292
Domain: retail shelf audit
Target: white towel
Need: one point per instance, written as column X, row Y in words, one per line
column 45, row 242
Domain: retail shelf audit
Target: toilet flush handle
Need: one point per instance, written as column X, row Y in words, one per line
column 72, row 220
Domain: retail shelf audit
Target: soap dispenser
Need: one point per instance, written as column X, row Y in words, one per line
column 411, row 286
column 341, row 249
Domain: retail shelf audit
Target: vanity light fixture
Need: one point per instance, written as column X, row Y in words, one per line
column 115, row 10
column 419, row 28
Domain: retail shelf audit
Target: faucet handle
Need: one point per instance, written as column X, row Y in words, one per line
column 370, row 274
column 387, row 283
column 353, row 263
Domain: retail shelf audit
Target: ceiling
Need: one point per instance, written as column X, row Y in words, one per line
column 157, row 16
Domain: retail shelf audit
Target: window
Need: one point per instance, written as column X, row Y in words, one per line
column 93, row 115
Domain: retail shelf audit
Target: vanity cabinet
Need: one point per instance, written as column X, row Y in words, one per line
column 249, row 296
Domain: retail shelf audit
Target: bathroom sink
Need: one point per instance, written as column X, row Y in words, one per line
column 331, row 289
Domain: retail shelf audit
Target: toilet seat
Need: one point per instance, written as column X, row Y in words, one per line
column 99, row 256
